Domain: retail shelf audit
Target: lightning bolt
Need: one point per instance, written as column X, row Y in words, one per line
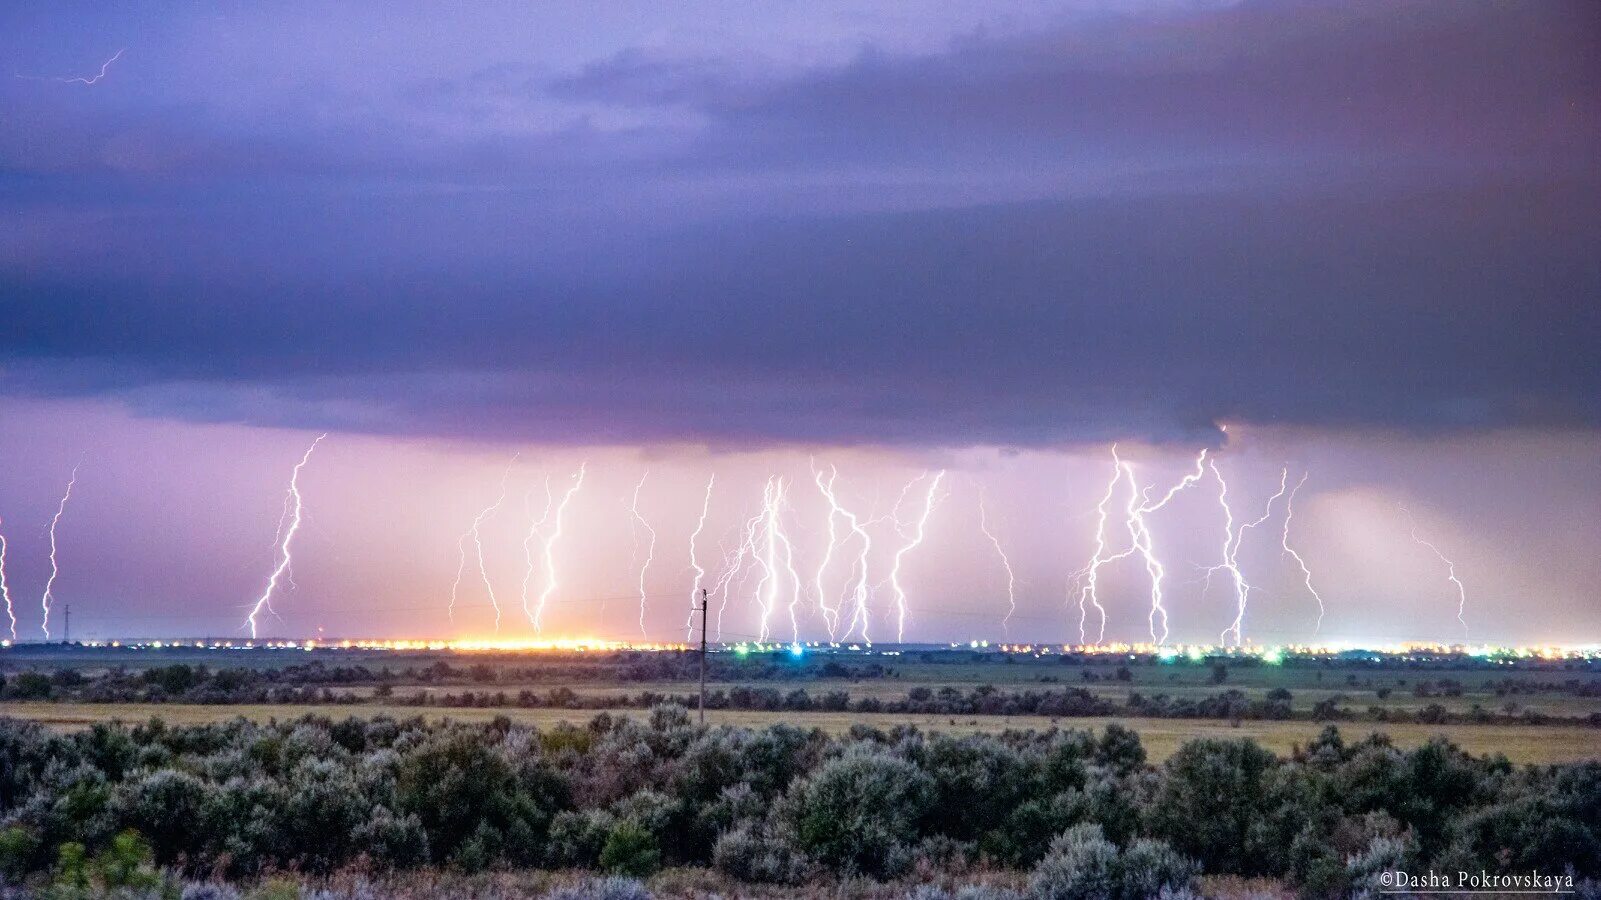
column 1306, row 574
column 650, row 552
column 1141, row 540
column 5, row 589
column 1450, row 573
column 534, row 526
column 735, row 561
column 475, row 532
column 1011, row 580
column 777, row 548
column 79, row 79
column 285, row 560
column 830, row 614
column 54, row 568
column 895, row 568
column 694, row 562
column 1231, row 551
column 550, row 545
column 857, row 585
column 1090, row 574
column 789, row 563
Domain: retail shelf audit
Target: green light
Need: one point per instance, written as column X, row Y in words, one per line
column 1167, row 654
column 1273, row 657
column 1196, row 655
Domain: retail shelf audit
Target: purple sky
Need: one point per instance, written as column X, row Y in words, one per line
column 735, row 237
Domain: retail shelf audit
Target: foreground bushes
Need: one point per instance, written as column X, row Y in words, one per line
column 1085, row 815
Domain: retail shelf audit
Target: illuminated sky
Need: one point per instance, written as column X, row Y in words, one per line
column 737, row 237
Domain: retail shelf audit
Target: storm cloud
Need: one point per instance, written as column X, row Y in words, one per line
column 1136, row 222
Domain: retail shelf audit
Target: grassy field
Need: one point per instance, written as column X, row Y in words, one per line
column 1520, row 743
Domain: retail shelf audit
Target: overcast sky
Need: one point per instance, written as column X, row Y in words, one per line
column 734, row 238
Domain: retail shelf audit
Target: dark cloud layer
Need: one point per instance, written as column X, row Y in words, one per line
column 1123, row 225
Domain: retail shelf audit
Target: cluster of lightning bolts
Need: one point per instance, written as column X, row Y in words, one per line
column 765, row 553
column 1086, row 581
column 1141, row 542
column 544, row 530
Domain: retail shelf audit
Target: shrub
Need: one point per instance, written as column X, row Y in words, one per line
column 750, row 854
column 18, row 849
column 630, row 849
column 1082, row 864
column 1212, row 802
column 391, row 841
column 860, row 812
column 126, row 863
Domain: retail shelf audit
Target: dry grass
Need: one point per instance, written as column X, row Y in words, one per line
column 1520, row 743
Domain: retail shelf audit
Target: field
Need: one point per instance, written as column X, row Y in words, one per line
column 1532, row 711
column 1161, row 737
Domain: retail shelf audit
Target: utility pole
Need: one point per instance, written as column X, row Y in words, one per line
column 66, row 637
column 704, row 602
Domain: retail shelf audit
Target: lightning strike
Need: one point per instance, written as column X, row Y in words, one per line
column 55, row 570
column 895, row 568
column 475, row 531
column 789, row 564
column 856, row 586
column 1011, row 579
column 1306, row 574
column 79, row 79
column 735, row 561
column 5, row 589
column 1142, row 541
column 534, row 527
column 1450, row 572
column 1090, row 574
column 550, row 545
column 285, row 559
column 650, row 551
column 830, row 613
column 776, row 549
column 700, row 572
column 1232, row 538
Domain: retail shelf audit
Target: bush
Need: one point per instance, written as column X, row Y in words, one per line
column 860, row 812
column 748, row 854
column 126, row 863
column 1082, row 864
column 18, row 849
column 630, row 850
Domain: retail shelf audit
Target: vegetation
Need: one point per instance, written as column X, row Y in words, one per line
column 834, row 687
column 1053, row 813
